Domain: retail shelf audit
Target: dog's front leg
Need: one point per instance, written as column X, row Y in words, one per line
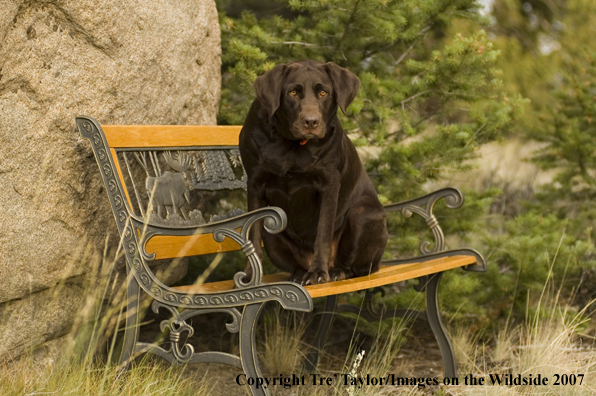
column 319, row 269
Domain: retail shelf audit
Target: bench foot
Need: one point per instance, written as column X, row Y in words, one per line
column 248, row 352
column 131, row 330
column 312, row 359
column 434, row 319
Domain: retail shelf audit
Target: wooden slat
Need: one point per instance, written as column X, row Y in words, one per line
column 386, row 275
column 167, row 247
column 147, row 136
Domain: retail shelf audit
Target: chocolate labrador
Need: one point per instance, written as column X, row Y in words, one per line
column 298, row 157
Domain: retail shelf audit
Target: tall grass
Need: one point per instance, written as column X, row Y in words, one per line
column 548, row 344
column 282, row 347
column 376, row 362
column 545, row 347
column 87, row 364
column 67, row 377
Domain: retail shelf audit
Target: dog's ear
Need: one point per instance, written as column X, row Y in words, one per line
column 268, row 87
column 345, row 84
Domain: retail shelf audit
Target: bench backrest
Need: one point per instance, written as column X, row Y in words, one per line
column 150, row 171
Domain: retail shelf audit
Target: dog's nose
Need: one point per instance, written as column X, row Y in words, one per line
column 311, row 121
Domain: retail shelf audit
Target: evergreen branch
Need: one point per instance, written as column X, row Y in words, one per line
column 477, row 131
column 424, row 119
column 463, row 95
column 406, row 52
column 403, row 102
column 347, row 27
column 421, row 35
column 297, row 43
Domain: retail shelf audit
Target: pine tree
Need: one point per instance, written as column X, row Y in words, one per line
column 548, row 55
column 427, row 101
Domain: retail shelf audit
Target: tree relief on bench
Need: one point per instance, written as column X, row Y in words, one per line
column 171, row 176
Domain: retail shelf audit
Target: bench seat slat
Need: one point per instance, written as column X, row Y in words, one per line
column 387, row 274
column 157, row 136
column 168, row 246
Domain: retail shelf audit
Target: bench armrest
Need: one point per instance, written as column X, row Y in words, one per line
column 423, row 206
column 236, row 228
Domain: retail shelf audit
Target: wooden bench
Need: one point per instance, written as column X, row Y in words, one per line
column 153, row 173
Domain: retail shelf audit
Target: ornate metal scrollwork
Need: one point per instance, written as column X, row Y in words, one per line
column 274, row 222
column 423, row 207
column 163, row 195
column 176, row 326
column 374, row 310
column 132, row 228
column 289, row 295
column 91, row 130
column 369, row 310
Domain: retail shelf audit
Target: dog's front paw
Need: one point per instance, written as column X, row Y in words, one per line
column 297, row 275
column 314, row 277
column 337, row 274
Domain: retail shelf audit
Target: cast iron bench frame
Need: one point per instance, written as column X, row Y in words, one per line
column 143, row 241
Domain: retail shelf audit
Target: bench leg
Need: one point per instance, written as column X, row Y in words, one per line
column 312, row 359
column 434, row 319
column 248, row 351
column 131, row 331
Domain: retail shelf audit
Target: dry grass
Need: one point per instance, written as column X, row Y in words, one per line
column 547, row 348
column 547, row 345
column 64, row 377
column 78, row 369
column 506, row 165
column 504, row 346
column 283, row 341
column 358, row 364
column 466, row 348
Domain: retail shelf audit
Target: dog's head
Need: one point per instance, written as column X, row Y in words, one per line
column 304, row 96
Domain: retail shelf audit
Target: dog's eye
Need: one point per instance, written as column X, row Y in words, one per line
column 293, row 93
column 323, row 93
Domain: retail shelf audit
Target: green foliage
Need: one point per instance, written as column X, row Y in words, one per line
column 569, row 132
column 548, row 56
column 533, row 250
column 426, row 102
column 432, row 92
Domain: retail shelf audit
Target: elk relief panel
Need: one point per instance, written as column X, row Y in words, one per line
column 181, row 187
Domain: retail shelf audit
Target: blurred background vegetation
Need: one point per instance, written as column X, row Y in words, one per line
column 495, row 97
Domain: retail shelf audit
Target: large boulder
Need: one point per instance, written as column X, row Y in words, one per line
column 119, row 61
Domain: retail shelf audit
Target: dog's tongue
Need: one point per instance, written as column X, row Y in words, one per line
column 303, row 142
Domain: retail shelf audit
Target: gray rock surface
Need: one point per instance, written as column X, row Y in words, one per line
column 41, row 317
column 121, row 62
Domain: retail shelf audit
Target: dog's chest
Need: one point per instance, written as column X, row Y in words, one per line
column 292, row 189
column 285, row 162
column 299, row 196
